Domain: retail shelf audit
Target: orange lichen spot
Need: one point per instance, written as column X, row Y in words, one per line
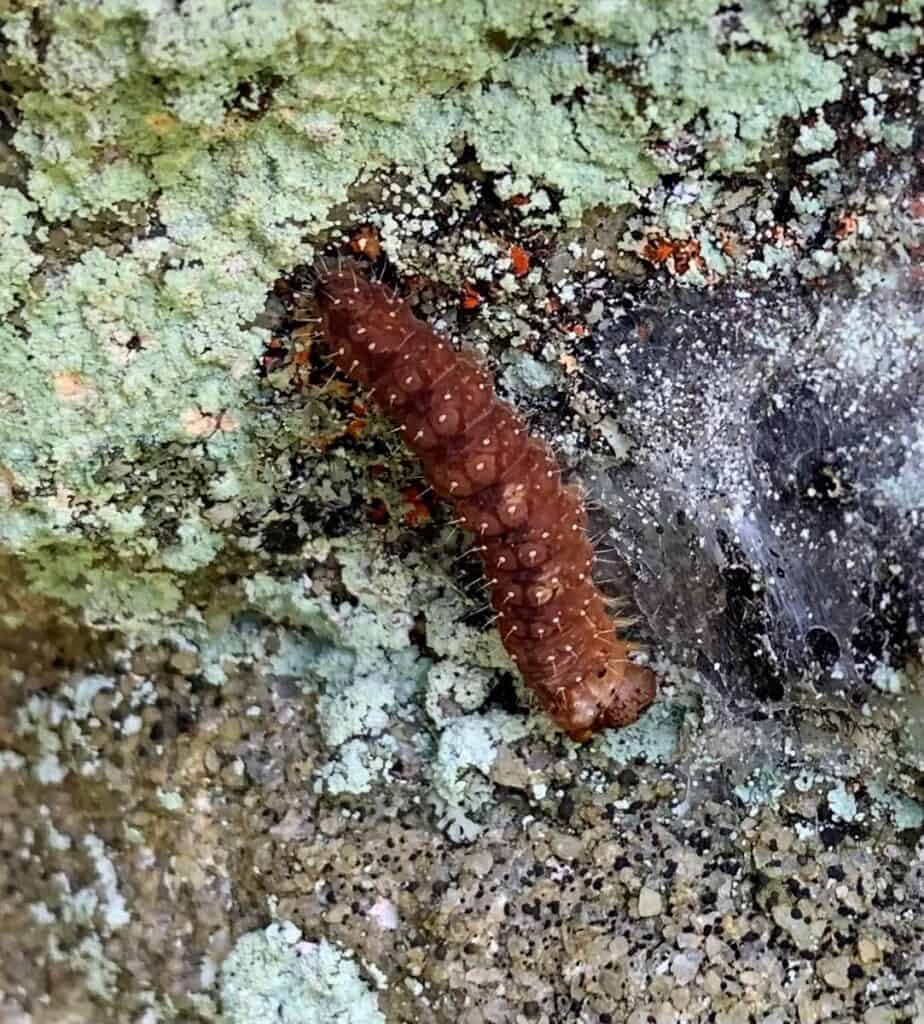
column 321, row 442
column 471, row 297
column 197, row 423
column 72, row 387
column 355, row 427
column 418, row 512
column 518, row 200
column 846, row 225
column 687, row 255
column 161, row 122
column 338, row 389
column 730, row 245
column 682, row 254
column 569, row 363
column 658, row 250
column 519, row 257
column 366, row 242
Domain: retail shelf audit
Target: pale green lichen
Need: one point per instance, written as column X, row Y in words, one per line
column 762, row 787
column 362, row 703
column 525, row 371
column 156, row 84
column 271, row 976
column 170, row 800
column 842, row 803
column 450, row 636
column 736, row 97
column 903, row 38
column 360, row 656
column 88, row 958
column 464, row 686
column 815, row 138
column 55, row 727
column 109, row 900
column 468, row 747
column 17, row 259
column 85, row 914
column 131, row 353
column 904, row 812
column 196, row 546
column 359, row 765
column 654, row 737
column 887, row 679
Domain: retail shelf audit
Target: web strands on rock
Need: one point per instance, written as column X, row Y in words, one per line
column 505, row 487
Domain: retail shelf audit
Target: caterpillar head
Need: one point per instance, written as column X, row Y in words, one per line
column 612, row 697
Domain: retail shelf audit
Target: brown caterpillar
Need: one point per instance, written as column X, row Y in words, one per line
column 506, row 489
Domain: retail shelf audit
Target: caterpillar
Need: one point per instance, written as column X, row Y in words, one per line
column 506, row 490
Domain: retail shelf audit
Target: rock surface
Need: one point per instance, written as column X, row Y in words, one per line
column 261, row 751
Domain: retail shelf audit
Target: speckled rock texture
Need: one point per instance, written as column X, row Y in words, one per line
column 263, row 756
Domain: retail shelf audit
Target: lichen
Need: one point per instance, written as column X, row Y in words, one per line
column 467, row 749
column 463, row 687
column 907, row 814
column 655, row 737
column 736, row 96
column 273, row 976
column 842, row 803
column 359, row 765
column 17, row 259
